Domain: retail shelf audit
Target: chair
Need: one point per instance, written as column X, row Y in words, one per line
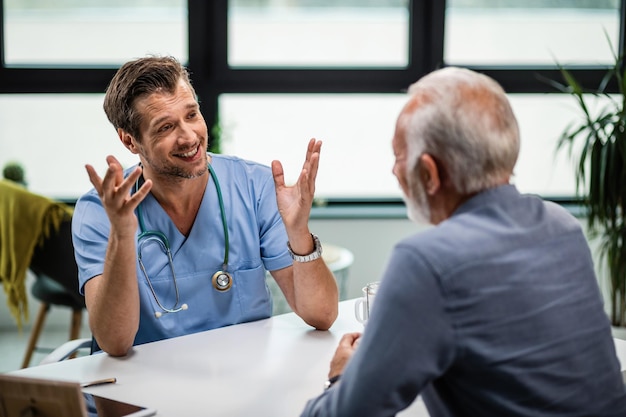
column 68, row 350
column 339, row 261
column 56, row 284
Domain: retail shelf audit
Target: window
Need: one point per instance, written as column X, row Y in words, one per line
column 53, row 136
column 357, row 159
column 340, row 33
column 278, row 72
column 356, row 129
column 102, row 32
column 522, row 32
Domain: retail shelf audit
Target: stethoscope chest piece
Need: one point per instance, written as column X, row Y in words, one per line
column 222, row 281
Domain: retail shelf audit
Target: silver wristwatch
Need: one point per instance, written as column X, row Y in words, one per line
column 316, row 254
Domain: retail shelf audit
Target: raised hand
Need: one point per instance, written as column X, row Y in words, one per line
column 114, row 191
column 294, row 202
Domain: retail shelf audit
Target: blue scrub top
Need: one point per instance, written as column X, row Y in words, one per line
column 257, row 240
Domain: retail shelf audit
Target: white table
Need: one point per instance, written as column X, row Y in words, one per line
column 265, row 368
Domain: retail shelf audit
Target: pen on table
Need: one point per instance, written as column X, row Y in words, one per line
column 98, row 382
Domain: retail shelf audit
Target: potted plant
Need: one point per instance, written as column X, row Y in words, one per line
column 15, row 172
column 216, row 136
column 597, row 142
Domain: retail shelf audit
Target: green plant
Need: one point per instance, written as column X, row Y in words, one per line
column 597, row 142
column 215, row 137
column 15, row 172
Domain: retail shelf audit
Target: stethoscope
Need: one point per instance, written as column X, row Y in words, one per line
column 222, row 280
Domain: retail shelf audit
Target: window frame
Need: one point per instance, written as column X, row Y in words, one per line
column 211, row 75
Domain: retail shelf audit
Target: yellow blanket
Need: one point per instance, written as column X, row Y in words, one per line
column 26, row 219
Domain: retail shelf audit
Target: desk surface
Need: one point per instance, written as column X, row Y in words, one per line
column 265, row 368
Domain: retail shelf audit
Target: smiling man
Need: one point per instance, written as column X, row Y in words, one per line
column 180, row 243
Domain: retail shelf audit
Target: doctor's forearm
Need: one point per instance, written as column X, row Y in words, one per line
column 316, row 295
column 113, row 303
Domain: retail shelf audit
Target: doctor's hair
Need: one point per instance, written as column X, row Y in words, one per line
column 464, row 120
column 136, row 79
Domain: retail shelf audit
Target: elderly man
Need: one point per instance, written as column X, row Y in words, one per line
column 495, row 311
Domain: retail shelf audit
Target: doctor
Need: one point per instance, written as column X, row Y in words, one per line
column 180, row 243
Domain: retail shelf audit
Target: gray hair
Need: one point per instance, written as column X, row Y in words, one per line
column 464, row 120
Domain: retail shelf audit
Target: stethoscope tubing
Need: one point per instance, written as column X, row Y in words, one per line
column 222, row 280
column 165, row 241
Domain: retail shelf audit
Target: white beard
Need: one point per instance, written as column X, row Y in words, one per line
column 417, row 208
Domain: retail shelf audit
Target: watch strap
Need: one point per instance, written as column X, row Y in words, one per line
column 316, row 254
column 331, row 381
